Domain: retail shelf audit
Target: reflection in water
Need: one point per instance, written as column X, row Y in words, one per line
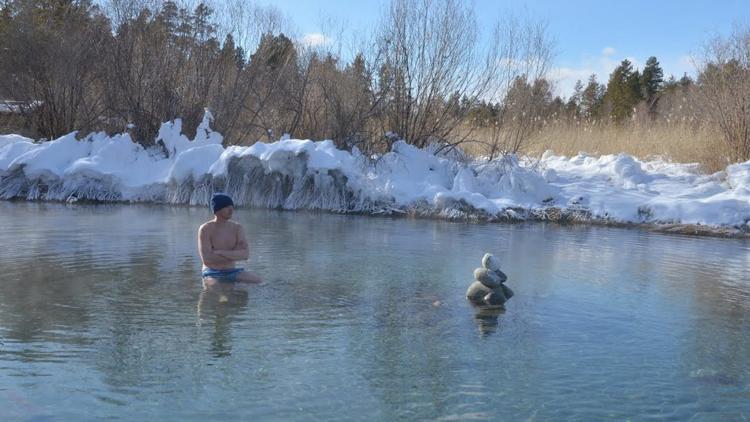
column 486, row 318
column 101, row 308
column 219, row 305
column 31, row 310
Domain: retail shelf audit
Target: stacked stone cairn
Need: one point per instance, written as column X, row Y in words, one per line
column 488, row 288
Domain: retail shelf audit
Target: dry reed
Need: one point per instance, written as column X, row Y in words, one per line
column 683, row 142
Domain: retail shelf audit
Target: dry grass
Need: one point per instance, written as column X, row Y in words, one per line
column 679, row 142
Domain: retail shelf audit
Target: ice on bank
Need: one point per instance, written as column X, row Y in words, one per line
column 302, row 174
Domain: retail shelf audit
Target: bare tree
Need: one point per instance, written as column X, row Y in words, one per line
column 248, row 21
column 349, row 98
column 251, row 104
column 169, row 65
column 525, row 56
column 418, row 79
column 48, row 58
column 724, row 86
column 141, row 73
column 121, row 11
column 271, row 77
column 428, row 57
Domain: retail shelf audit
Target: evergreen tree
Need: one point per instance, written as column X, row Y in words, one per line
column 652, row 82
column 623, row 91
column 592, row 99
column 274, row 52
column 670, row 83
column 358, row 70
column 685, row 80
column 577, row 91
column 635, row 87
column 556, row 108
column 651, row 79
column 573, row 105
column 203, row 28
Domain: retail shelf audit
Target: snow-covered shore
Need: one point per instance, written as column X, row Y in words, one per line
column 302, row 174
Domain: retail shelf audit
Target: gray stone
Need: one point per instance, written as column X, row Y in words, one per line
column 488, row 278
column 507, row 291
column 495, row 297
column 490, row 262
column 477, row 291
column 501, row 275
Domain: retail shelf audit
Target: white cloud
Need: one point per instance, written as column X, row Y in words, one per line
column 314, row 39
column 570, row 73
column 566, row 77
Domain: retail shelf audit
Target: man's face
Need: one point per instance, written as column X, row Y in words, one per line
column 226, row 212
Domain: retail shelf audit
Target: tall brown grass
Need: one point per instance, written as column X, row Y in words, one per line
column 677, row 141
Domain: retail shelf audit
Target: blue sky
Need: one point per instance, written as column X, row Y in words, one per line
column 590, row 36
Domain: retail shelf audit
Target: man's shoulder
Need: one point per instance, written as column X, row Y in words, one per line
column 208, row 225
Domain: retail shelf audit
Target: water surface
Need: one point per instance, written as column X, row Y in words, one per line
column 102, row 316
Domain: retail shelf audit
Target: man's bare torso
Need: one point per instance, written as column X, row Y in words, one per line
column 222, row 236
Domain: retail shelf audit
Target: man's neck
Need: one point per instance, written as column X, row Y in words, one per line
column 220, row 220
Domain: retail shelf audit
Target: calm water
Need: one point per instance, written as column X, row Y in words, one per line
column 102, row 316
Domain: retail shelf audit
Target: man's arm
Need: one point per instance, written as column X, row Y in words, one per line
column 208, row 256
column 241, row 251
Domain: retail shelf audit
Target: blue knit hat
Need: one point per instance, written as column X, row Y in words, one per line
column 219, row 201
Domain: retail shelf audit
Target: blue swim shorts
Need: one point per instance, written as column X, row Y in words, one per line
column 227, row 276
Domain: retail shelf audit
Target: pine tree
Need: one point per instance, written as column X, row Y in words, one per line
column 592, row 98
column 685, row 80
column 358, row 70
column 652, row 82
column 573, row 107
column 623, row 91
column 274, row 52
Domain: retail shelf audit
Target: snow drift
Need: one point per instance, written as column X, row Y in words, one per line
column 302, row 174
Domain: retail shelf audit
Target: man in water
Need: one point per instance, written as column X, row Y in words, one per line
column 222, row 242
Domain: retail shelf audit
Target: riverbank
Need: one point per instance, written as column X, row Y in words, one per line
column 292, row 174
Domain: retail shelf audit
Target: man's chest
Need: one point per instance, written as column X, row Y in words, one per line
column 224, row 238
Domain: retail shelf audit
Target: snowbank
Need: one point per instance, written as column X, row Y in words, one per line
column 302, row 174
